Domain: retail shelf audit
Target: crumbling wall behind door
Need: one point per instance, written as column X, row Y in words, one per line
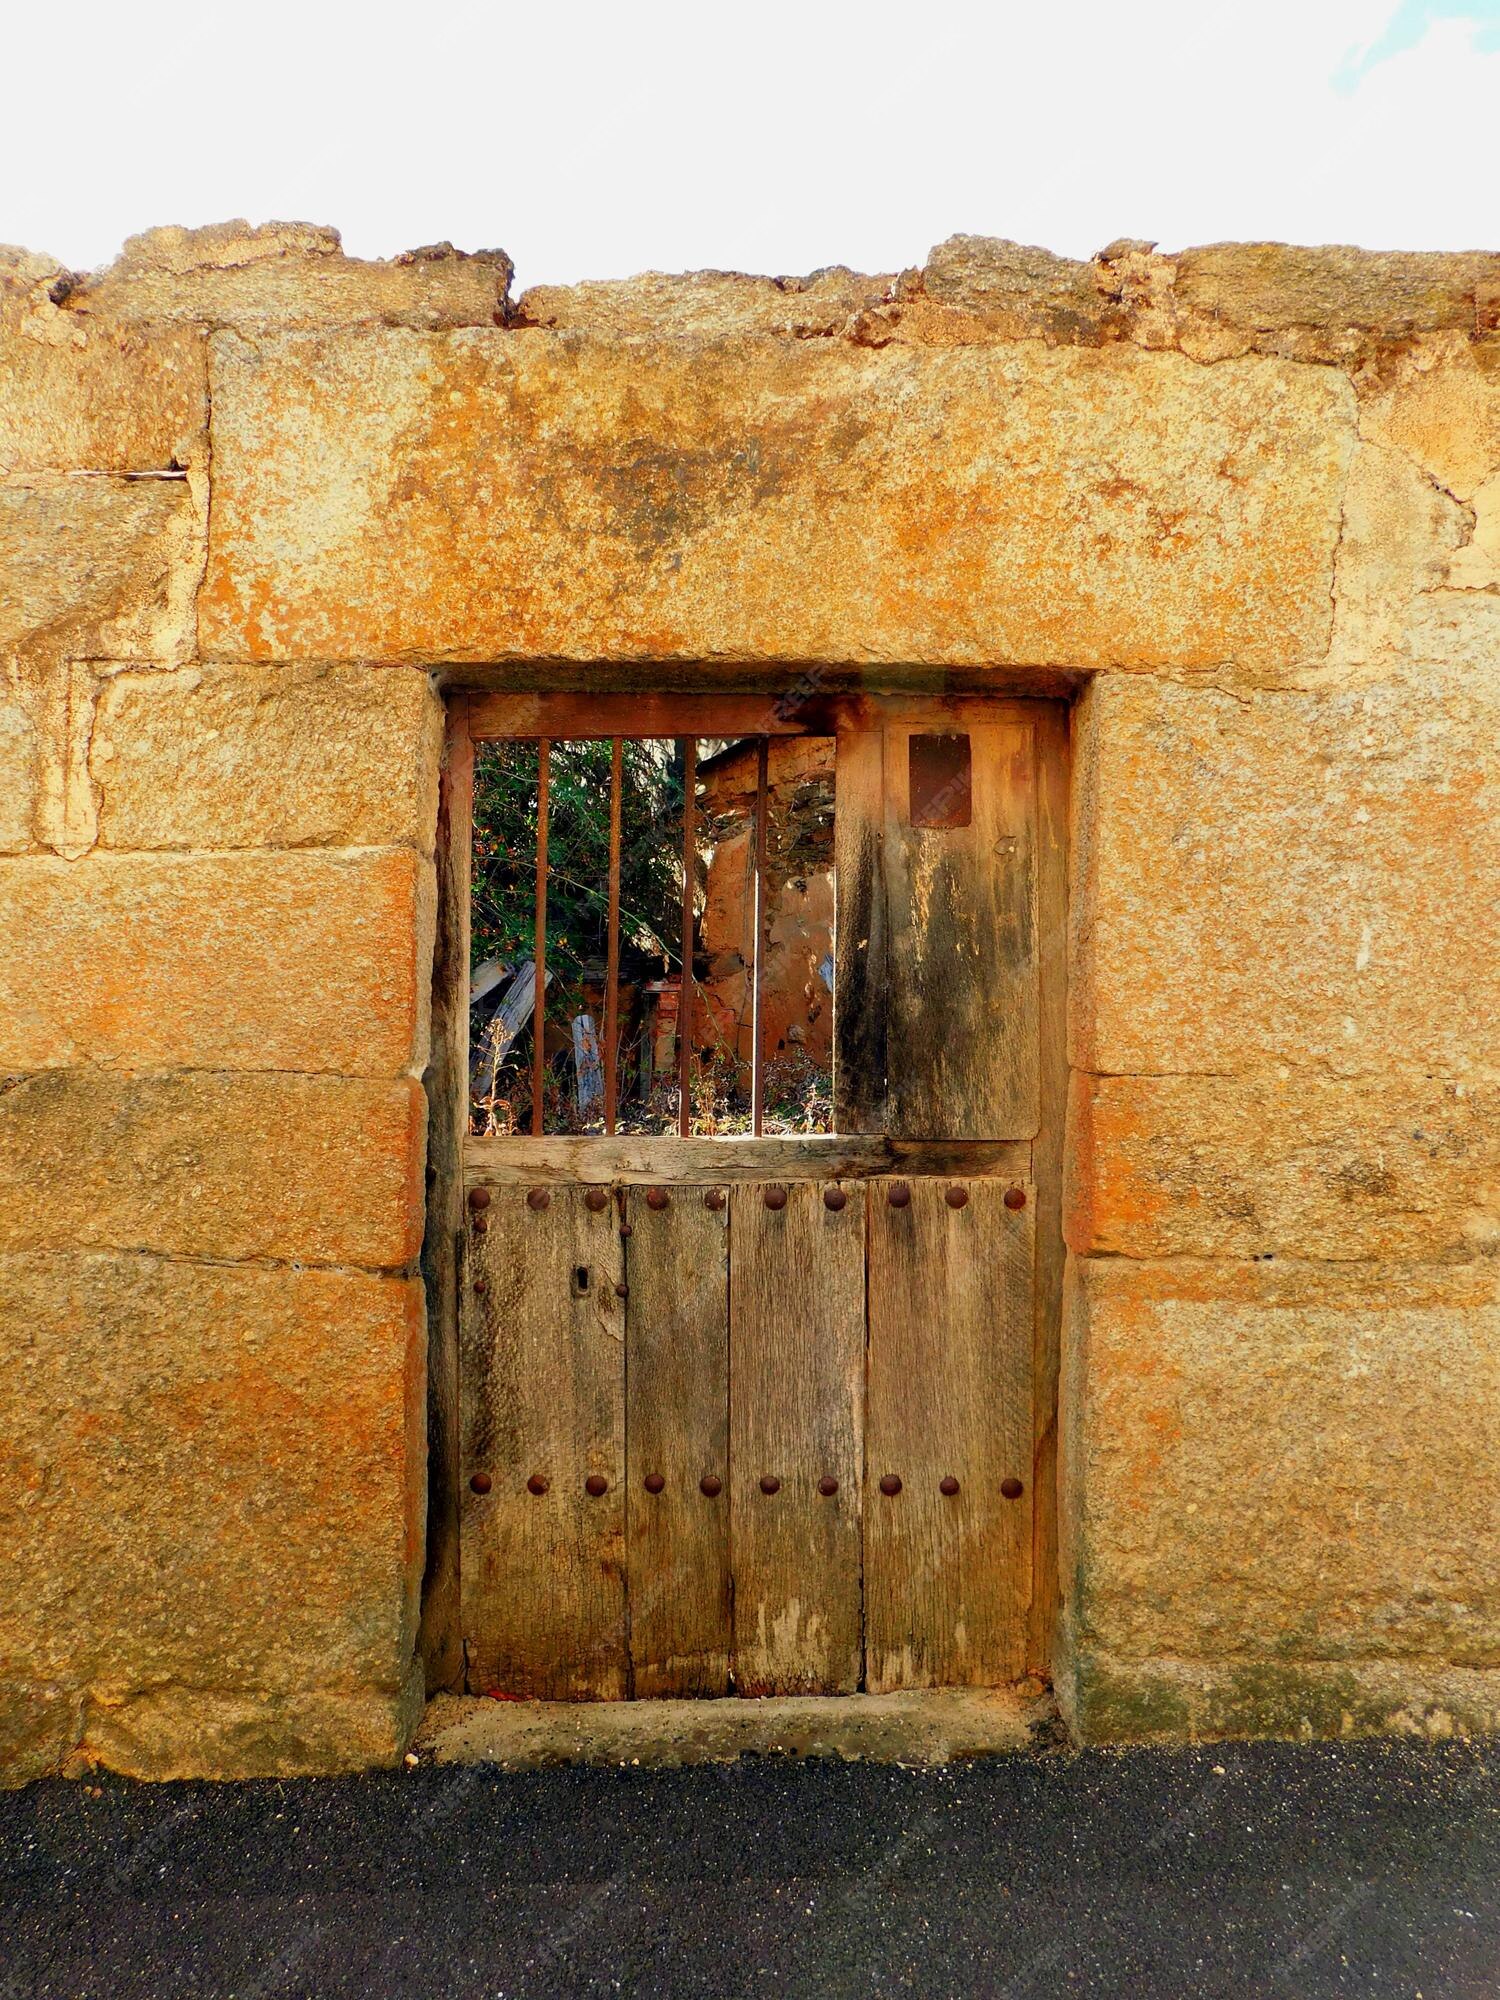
column 253, row 493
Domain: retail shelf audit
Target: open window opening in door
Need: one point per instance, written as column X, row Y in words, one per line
column 671, row 899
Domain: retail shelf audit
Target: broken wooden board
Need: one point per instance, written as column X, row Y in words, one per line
column 543, row 1400
column 947, row 1576
column 796, row 1346
column 677, row 1433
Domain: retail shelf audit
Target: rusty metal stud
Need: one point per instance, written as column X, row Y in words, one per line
column 479, row 1198
column 481, row 1285
column 539, row 1198
column 1015, row 1197
column 957, row 1197
column 1012, row 1488
column 890, row 1485
column 626, row 1230
column 538, row 1483
column 775, row 1197
column 657, row 1197
column 622, row 1291
column 595, row 1484
column 714, row 1199
column 711, row 1485
column 834, row 1198
column 596, row 1199
column 948, row 1486
column 480, row 1483
column 898, row 1194
column 653, row 1482
column 828, row 1486
column 770, row 1483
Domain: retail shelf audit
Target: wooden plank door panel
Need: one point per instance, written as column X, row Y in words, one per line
column 677, row 1434
column 543, row 1379
column 937, row 989
column 947, row 1575
column 796, row 1348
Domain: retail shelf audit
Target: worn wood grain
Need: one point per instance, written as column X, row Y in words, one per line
column 961, row 949
column 860, row 973
column 948, row 1577
column 795, row 709
column 543, row 1367
column 649, row 1158
column 1047, row 1168
column 796, row 1350
column 677, row 1430
column 446, row 1082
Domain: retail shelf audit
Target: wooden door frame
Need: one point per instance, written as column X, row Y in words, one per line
column 454, row 1159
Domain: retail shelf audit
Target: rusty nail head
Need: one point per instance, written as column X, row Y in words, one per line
column 948, row 1486
column 899, row 1194
column 714, row 1199
column 539, row 1198
column 828, row 1486
column 479, row 1226
column 654, row 1482
column 890, row 1485
column 480, row 1483
column 1015, row 1197
column 957, row 1197
column 479, row 1197
column 711, row 1485
column 775, row 1197
column 770, row 1483
column 537, row 1483
column 595, row 1484
column 622, row 1291
column 625, row 1229
column 834, row 1198
column 1012, row 1488
column 657, row 1197
column 481, row 1285
column 596, row 1198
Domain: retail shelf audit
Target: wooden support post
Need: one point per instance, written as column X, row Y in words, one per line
column 758, row 908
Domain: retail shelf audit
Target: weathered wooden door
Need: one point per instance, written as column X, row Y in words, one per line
column 770, row 1415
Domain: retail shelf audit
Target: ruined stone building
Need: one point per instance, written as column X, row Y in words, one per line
column 1134, row 1326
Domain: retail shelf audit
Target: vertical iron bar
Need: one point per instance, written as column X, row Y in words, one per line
column 539, row 990
column 758, row 906
column 689, row 887
column 612, row 970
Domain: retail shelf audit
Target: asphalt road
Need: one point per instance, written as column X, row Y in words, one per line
column 1267, row 1870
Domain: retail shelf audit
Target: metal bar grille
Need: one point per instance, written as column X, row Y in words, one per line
column 689, row 890
column 612, row 969
column 539, row 1000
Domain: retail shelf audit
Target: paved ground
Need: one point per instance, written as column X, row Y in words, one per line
column 1265, row 1870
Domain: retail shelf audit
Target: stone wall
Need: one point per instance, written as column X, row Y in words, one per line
column 257, row 500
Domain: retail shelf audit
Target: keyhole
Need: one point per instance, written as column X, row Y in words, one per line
column 580, row 1280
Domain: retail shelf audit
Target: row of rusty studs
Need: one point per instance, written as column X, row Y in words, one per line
column 898, row 1194
column 712, row 1486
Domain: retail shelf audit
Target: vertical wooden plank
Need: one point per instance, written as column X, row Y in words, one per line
column 859, row 934
column 447, row 1086
column 758, row 953
column 677, row 1432
column 948, row 1576
column 1047, row 1167
column 796, row 1403
column 543, row 1368
column 961, row 950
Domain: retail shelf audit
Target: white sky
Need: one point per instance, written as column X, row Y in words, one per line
column 595, row 140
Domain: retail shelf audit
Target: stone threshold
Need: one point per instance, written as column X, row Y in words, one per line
column 926, row 1726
